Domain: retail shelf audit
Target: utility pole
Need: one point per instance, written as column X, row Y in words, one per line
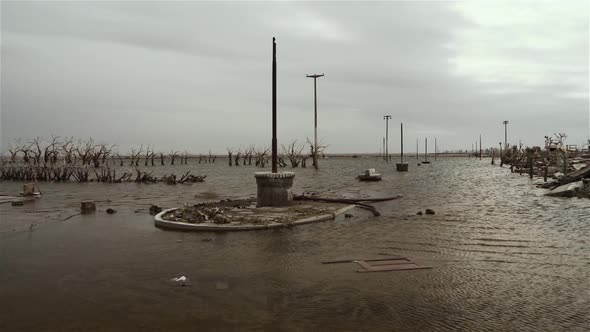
column 383, row 148
column 435, row 149
column 315, row 118
column 479, row 146
column 402, row 141
column 417, row 149
column 426, row 150
column 505, row 122
column 387, row 117
column 274, row 105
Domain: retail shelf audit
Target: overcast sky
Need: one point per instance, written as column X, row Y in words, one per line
column 197, row 75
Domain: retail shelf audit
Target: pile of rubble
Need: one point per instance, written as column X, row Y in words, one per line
column 244, row 211
column 565, row 171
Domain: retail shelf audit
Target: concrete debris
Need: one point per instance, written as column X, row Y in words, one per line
column 567, row 190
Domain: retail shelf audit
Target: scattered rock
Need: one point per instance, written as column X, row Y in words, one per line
column 347, row 215
column 17, row 203
column 111, row 211
column 220, row 219
column 154, row 209
column 429, row 211
column 419, row 213
column 207, row 239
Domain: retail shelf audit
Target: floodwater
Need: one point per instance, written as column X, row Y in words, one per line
column 505, row 257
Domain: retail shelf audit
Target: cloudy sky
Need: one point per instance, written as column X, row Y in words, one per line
column 196, row 75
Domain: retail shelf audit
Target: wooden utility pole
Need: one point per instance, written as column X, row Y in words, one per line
column 315, row 118
column 274, row 105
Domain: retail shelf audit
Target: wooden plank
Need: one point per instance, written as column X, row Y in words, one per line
column 392, row 267
column 350, row 260
column 386, row 268
column 392, row 262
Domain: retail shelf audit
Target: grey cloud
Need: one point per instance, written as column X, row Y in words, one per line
column 198, row 73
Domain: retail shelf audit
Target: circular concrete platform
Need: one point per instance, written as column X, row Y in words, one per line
column 213, row 227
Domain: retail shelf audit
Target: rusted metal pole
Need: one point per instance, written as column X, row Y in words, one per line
column 274, row 105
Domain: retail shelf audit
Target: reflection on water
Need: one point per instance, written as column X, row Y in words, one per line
column 506, row 257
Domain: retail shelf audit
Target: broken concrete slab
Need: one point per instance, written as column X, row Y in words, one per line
column 567, row 190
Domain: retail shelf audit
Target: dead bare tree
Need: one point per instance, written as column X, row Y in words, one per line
column 135, row 155
column 229, row 154
column 173, row 155
column 237, row 158
column 67, row 148
column 50, row 150
column 211, row 158
column 262, row 156
column 36, row 152
column 161, row 158
column 84, row 150
column 14, row 149
column 293, row 153
column 319, row 149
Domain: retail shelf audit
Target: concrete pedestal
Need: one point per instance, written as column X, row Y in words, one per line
column 274, row 189
column 401, row 167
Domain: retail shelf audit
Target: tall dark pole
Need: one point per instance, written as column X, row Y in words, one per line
column 426, row 149
column 383, row 148
column 274, row 105
column 417, row 149
column 315, row 119
column 387, row 117
column 402, row 141
column 505, row 122
column 479, row 146
column 435, row 148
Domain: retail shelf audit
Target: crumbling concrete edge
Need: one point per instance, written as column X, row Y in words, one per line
column 210, row 227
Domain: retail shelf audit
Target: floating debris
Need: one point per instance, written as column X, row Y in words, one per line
column 182, row 281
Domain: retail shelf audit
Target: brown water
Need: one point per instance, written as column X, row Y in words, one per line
column 505, row 257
